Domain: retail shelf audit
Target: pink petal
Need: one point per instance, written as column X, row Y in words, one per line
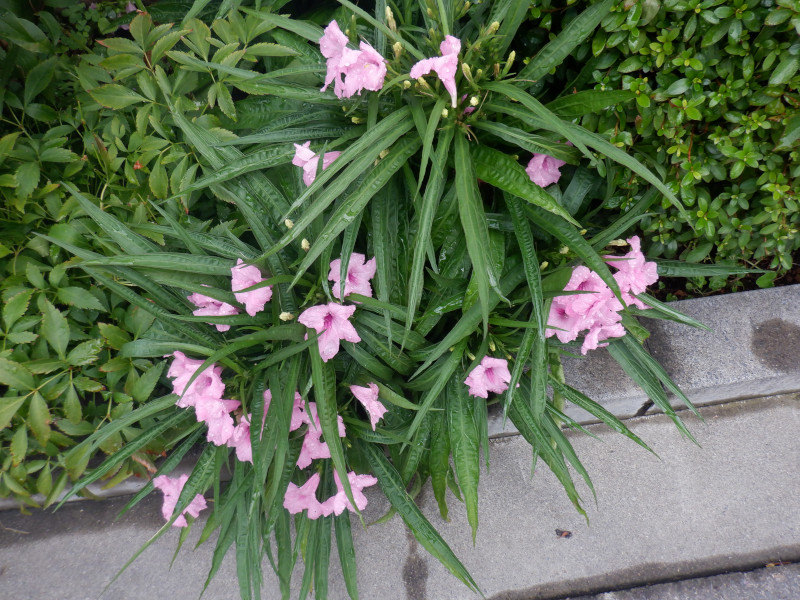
column 368, row 396
column 544, row 170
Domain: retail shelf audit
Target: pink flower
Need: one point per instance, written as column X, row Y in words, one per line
column 313, row 446
column 350, row 70
column 240, row 440
column 209, row 307
column 544, row 170
column 130, row 7
column 491, row 375
column 298, row 499
column 171, row 488
column 359, row 273
column 634, row 273
column 337, row 503
column 299, row 415
column 305, row 158
column 368, row 396
column 215, row 413
column 244, row 276
column 332, row 321
column 208, row 383
column 444, row 65
column 596, row 310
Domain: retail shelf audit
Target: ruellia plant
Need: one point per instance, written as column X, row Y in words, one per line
column 386, row 234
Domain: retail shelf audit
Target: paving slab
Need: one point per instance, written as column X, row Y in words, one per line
column 753, row 348
column 771, row 583
column 731, row 504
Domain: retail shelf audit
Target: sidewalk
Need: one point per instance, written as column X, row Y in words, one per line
column 730, row 505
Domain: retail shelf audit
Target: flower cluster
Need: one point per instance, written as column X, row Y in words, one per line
column 243, row 277
column 597, row 309
column 298, row 499
column 205, row 395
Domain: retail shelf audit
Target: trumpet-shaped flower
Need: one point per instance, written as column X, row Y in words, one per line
column 304, row 497
column 350, row 71
column 544, row 170
column 338, row 502
column 332, row 322
column 305, row 158
column 368, row 396
column 244, row 276
column 491, row 375
column 209, row 307
column 208, row 383
column 359, row 272
column 445, row 66
column 171, row 487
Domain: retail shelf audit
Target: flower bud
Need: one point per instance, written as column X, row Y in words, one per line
column 289, row 223
column 357, row 120
column 430, row 13
column 390, row 19
column 406, row 84
column 397, row 48
column 445, row 112
column 305, row 245
column 564, row 250
column 493, row 27
column 544, row 265
column 466, row 71
column 286, row 316
column 474, row 101
column 492, row 346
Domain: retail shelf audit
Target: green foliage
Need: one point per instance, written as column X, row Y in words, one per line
column 469, row 252
column 716, row 114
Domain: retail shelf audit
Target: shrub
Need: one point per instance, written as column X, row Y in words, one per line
column 715, row 114
column 411, row 192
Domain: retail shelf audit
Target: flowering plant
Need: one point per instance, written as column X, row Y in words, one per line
column 346, row 322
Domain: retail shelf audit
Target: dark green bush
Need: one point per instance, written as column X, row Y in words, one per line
column 716, row 112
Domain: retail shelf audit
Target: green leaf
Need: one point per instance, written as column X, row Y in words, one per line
column 589, row 101
column 505, row 173
column 392, row 486
column 115, row 96
column 15, row 307
column 85, row 353
column 144, row 386
column 570, row 37
column 530, row 142
column 79, row 298
column 785, row 70
column 39, row 419
column 465, row 445
column 324, row 381
column 38, row 79
column 19, row 445
column 159, row 184
column 55, row 329
column 355, row 203
column 27, row 177
column 347, row 553
column 8, row 405
column 676, row 268
column 473, row 221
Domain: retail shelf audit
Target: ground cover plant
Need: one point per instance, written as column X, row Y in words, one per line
column 358, row 231
column 60, row 331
